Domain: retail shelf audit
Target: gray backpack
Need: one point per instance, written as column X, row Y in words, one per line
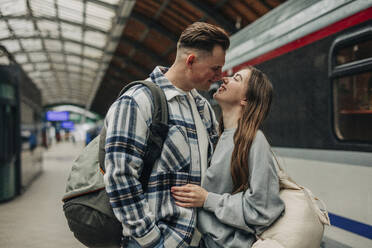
column 86, row 204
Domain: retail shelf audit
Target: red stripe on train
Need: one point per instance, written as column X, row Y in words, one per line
column 350, row 21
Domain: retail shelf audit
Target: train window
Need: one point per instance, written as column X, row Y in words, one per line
column 351, row 74
column 354, row 52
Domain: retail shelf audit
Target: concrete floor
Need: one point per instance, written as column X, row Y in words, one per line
column 35, row 219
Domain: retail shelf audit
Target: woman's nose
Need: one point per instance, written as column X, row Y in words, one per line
column 225, row 80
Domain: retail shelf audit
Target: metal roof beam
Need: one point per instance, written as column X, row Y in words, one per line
column 137, row 45
column 59, row 70
column 154, row 25
column 53, row 19
column 57, row 52
column 210, row 13
column 104, row 4
column 51, row 38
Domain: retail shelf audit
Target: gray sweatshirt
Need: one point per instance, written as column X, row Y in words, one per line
column 228, row 220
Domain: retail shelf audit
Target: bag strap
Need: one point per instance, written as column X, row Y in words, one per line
column 321, row 212
column 159, row 122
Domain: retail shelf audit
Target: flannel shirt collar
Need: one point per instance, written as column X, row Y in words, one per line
column 157, row 76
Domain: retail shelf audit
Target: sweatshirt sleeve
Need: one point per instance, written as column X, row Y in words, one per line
column 258, row 207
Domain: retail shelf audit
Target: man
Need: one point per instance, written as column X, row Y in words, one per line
column 152, row 219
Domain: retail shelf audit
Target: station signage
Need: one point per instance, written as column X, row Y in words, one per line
column 57, row 115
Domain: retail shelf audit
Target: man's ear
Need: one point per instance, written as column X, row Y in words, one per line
column 190, row 59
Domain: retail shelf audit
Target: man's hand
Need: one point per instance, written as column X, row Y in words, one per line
column 189, row 195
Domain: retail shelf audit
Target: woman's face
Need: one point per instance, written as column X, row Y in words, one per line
column 233, row 89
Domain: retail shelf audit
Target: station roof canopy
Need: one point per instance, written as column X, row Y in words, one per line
column 84, row 51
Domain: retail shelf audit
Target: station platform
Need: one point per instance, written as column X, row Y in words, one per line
column 35, row 219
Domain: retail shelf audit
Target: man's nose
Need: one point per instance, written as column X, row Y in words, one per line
column 217, row 76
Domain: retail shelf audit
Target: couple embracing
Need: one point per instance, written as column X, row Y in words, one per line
column 213, row 185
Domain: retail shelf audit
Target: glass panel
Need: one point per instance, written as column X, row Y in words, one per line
column 28, row 67
column 22, row 27
column 21, row 58
column 353, row 106
column 94, row 10
column 92, row 53
column 31, row 44
column 13, row 7
column 94, row 38
column 359, row 51
column 48, row 28
column 73, row 47
column 11, row 45
column 71, row 32
column 38, row 57
column 4, row 32
column 44, row 66
column 43, row 8
column 70, row 10
column 73, row 59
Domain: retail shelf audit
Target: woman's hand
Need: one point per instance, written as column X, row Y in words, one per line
column 189, row 195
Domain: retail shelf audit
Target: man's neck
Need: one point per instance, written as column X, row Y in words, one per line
column 177, row 77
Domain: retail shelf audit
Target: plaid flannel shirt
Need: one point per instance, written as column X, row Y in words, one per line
column 148, row 217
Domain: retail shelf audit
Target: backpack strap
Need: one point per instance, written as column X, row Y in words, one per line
column 158, row 131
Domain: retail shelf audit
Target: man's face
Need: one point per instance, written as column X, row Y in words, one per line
column 207, row 67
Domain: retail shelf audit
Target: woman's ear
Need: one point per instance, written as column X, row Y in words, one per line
column 243, row 102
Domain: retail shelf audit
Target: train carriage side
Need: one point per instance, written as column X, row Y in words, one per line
column 321, row 118
column 20, row 128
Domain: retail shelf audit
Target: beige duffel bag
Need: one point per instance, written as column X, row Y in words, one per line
column 302, row 224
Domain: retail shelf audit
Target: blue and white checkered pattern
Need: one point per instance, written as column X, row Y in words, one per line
column 149, row 216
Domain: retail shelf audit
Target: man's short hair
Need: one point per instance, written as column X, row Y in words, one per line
column 203, row 36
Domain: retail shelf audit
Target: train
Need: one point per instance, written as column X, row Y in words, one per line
column 21, row 128
column 318, row 55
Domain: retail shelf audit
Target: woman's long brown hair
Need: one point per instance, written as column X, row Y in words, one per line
column 259, row 92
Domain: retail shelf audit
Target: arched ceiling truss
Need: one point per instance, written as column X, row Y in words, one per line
column 85, row 51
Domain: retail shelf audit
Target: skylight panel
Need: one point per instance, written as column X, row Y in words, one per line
column 53, row 45
column 114, row 2
column 90, row 63
column 28, row 67
column 74, row 68
column 38, row 57
column 72, row 47
column 11, row 45
column 21, row 58
column 42, row 66
column 31, row 44
column 73, row 59
column 48, row 28
column 22, row 27
column 43, row 8
column 4, row 32
column 69, row 11
column 56, row 57
column 92, row 53
column 99, row 11
column 60, row 67
column 71, row 31
column 13, row 7
column 98, row 22
column 94, row 38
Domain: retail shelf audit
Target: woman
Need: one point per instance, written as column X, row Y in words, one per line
column 239, row 197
